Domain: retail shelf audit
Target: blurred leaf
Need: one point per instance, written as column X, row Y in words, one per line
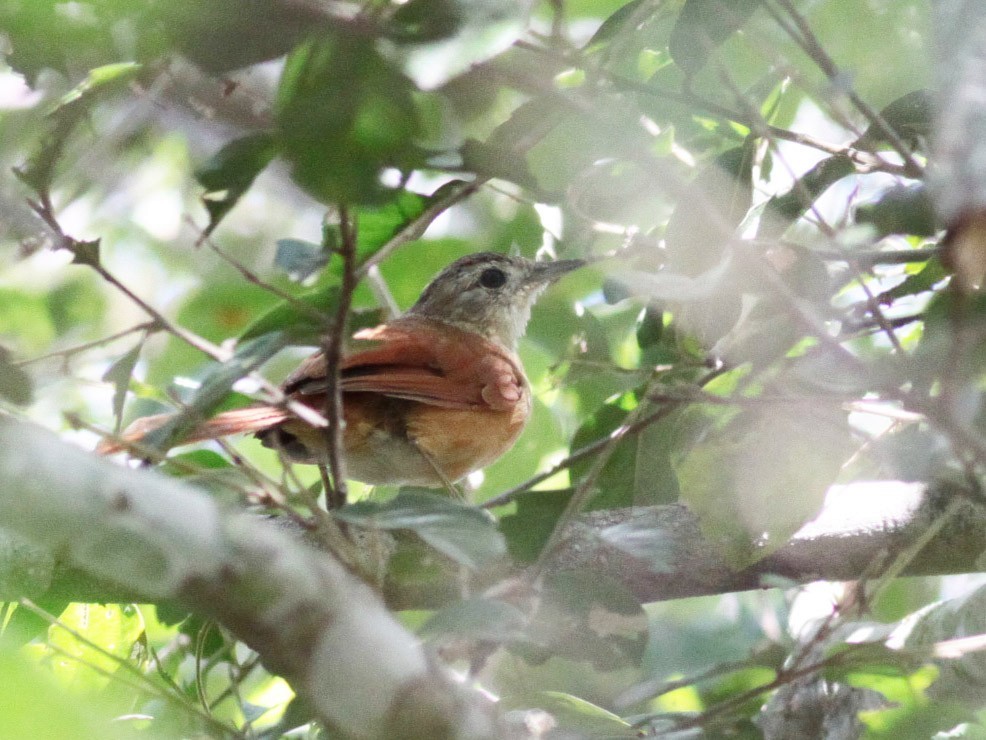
column 25, row 320
column 463, row 533
column 202, row 459
column 614, row 24
column 961, row 678
column 218, row 310
column 33, row 705
column 783, row 210
column 300, row 259
column 114, row 628
column 904, row 209
column 42, row 36
column 453, row 36
column 704, row 25
column 584, row 718
column 298, row 319
column 108, row 78
column 228, row 174
column 76, row 303
column 755, row 483
column 39, row 171
column 344, row 113
column 423, row 21
column 931, row 274
column 489, row 160
column 476, row 619
column 639, row 471
column 292, row 319
column 528, row 528
column 222, row 35
column 119, row 374
column 910, row 116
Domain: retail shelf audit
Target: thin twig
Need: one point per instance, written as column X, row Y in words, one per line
column 251, row 277
column 805, row 38
column 80, row 348
column 332, row 348
column 143, row 682
column 863, row 158
column 415, row 228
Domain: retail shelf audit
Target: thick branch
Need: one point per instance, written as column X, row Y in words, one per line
column 311, row 622
column 861, row 528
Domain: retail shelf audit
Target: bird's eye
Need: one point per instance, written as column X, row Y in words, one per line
column 492, row 277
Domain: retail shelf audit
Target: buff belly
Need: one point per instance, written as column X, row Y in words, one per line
column 392, row 442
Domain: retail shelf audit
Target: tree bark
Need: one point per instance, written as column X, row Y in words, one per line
column 80, row 528
column 329, row 635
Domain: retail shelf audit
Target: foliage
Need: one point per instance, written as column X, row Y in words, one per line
column 768, row 312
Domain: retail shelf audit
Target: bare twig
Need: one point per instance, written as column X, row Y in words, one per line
column 415, row 228
column 804, row 37
column 80, row 348
column 332, row 348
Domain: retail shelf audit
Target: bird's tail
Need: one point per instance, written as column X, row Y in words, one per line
column 238, row 421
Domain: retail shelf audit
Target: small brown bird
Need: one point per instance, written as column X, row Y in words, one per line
column 428, row 397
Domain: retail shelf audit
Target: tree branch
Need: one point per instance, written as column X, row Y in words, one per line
column 328, row 634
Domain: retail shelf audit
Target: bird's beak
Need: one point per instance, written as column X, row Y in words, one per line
column 548, row 272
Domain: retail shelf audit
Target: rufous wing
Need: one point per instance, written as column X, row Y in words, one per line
column 424, row 361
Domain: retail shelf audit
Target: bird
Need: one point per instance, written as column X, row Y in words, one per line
column 427, row 398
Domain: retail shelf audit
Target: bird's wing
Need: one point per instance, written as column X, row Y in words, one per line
column 420, row 361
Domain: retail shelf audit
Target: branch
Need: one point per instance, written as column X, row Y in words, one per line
column 363, row 675
column 140, row 537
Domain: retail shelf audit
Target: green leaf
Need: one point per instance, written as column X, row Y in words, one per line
column 218, row 310
column 222, row 35
column 344, row 114
column 114, row 628
column 423, row 21
column 783, row 210
column 502, row 162
column 582, row 717
column 378, row 225
column 904, row 209
column 119, row 374
column 527, row 530
column 464, row 533
column 910, row 116
column 297, row 318
column 702, row 26
column 638, row 472
column 228, row 174
column 614, row 24
column 108, row 78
